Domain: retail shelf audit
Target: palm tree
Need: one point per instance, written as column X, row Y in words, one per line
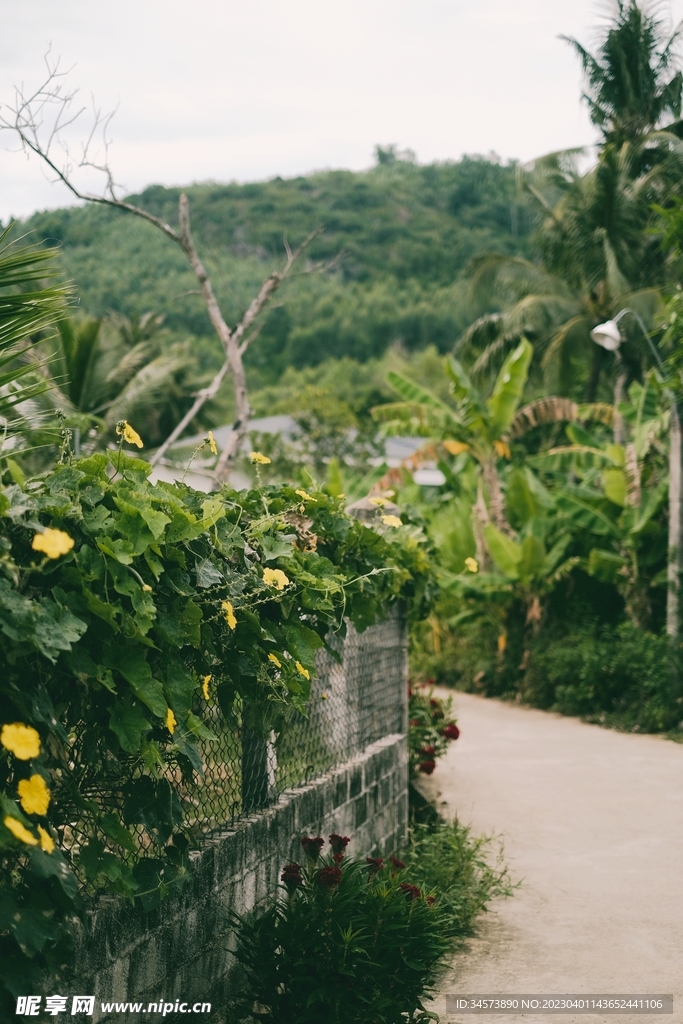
column 596, row 252
column 597, row 257
column 27, row 306
column 633, row 85
column 117, row 369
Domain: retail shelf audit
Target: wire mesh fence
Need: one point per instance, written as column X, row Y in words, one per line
column 356, row 699
column 354, row 702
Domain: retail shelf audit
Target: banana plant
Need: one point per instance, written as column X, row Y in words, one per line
column 600, row 497
column 528, row 566
column 469, row 423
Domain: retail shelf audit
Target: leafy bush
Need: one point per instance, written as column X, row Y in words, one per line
column 128, row 609
column 347, row 941
column 616, row 674
column 430, row 729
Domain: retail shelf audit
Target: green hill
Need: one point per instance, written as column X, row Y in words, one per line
column 404, row 234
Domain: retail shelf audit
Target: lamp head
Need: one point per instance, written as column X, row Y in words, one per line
column 607, row 335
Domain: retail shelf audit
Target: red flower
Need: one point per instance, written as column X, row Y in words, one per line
column 431, row 900
column 451, row 731
column 374, row 864
column 329, row 877
column 339, row 843
column 414, row 722
column 437, row 710
column 313, row 845
column 427, row 767
column 411, row 892
column 291, row 876
column 427, row 750
column 338, row 858
column 396, row 863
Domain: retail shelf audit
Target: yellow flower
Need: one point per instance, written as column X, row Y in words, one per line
column 21, row 740
column 229, row 614
column 275, row 660
column 301, row 670
column 258, row 458
column 502, row 643
column 304, row 495
column 276, row 578
column 455, row 447
column 502, row 448
column 472, row 564
column 47, row 843
column 34, row 796
column 170, row 721
column 212, row 443
column 391, row 521
column 205, row 687
column 129, row 435
column 19, row 832
column 380, row 502
column 54, row 543
column 146, row 587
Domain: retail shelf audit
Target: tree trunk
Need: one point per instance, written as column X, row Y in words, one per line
column 594, row 376
column 619, row 396
column 496, row 502
column 675, row 554
column 480, row 519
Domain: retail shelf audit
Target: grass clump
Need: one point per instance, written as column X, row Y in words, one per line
column 466, row 871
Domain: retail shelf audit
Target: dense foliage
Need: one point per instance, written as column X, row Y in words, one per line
column 559, row 568
column 127, row 610
column 553, row 555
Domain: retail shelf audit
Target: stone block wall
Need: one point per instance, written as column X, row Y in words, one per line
column 181, row 951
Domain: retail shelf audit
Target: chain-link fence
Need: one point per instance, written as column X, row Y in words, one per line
column 354, row 702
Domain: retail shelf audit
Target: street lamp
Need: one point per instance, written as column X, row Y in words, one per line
column 608, row 336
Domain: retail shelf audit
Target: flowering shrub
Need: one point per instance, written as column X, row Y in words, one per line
column 127, row 609
column 430, row 729
column 348, row 940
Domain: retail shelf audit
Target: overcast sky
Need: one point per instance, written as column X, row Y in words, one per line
column 228, row 90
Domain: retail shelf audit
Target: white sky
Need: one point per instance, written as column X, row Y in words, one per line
column 247, row 89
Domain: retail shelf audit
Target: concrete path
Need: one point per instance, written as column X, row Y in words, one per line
column 592, row 821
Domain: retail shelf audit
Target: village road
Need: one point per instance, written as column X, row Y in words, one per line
column 592, row 822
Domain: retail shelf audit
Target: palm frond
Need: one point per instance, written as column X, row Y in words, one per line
column 146, row 389
column 25, row 313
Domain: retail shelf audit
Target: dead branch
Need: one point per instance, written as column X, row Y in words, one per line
column 40, row 119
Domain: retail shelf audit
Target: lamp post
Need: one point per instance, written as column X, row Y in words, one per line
column 608, row 336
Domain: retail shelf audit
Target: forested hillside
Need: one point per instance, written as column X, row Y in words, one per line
column 403, row 234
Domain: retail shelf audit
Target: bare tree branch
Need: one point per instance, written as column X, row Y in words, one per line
column 242, row 411
column 29, row 118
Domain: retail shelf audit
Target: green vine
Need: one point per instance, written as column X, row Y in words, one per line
column 128, row 609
